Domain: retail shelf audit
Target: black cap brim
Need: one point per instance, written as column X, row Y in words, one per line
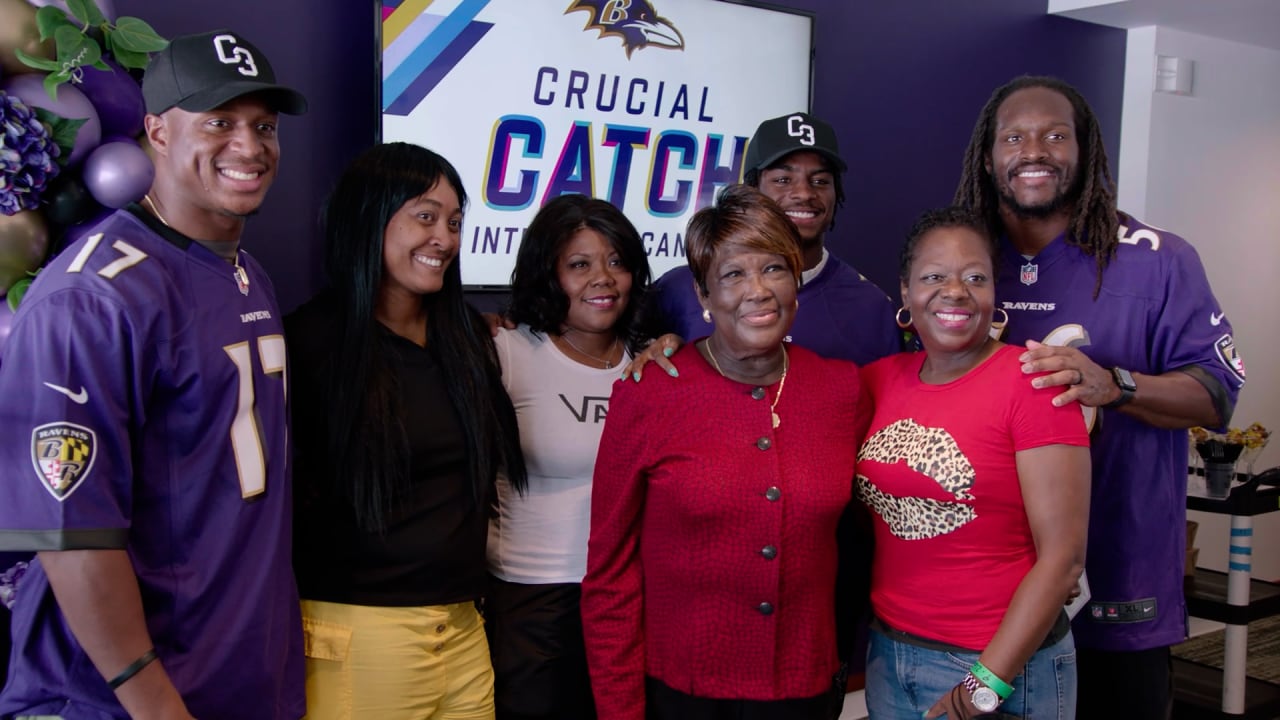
column 835, row 159
column 279, row 98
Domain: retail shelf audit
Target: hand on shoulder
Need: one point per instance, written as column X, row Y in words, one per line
column 496, row 322
column 659, row 351
column 1053, row 366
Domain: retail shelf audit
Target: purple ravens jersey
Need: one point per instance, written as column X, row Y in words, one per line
column 1154, row 313
column 145, row 410
column 842, row 315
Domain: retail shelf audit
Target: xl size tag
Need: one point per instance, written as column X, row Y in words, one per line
column 1123, row 612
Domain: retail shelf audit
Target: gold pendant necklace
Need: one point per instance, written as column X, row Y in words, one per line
column 241, row 277
column 782, row 381
column 608, row 364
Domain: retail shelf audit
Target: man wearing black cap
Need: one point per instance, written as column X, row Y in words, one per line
column 143, row 445
column 795, row 160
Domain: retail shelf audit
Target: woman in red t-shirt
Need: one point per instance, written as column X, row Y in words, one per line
column 979, row 488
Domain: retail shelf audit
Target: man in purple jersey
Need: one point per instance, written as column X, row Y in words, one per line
column 143, row 439
column 795, row 160
column 1122, row 316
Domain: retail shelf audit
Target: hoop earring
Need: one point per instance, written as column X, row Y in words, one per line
column 998, row 325
column 897, row 317
column 706, row 316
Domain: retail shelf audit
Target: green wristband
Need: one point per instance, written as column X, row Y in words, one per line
column 988, row 678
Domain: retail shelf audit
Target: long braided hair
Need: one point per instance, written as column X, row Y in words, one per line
column 1094, row 221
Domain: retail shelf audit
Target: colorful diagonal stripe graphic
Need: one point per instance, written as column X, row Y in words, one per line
column 420, row 49
column 397, row 51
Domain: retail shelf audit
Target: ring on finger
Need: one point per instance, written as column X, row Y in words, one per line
column 1079, row 378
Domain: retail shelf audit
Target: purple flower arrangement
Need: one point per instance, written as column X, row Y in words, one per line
column 9, row 583
column 27, row 156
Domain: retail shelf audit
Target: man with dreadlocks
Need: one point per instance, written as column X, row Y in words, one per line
column 1120, row 315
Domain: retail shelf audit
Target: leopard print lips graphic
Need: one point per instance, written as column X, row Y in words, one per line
column 932, row 452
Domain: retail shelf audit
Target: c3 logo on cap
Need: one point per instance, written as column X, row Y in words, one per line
column 232, row 54
column 798, row 128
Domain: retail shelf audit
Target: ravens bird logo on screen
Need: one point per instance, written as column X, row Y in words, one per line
column 635, row 21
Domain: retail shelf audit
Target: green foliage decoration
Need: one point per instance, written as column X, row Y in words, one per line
column 129, row 40
column 18, row 290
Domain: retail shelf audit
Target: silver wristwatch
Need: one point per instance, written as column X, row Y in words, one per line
column 983, row 697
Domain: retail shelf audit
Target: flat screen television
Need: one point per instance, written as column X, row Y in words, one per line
column 648, row 104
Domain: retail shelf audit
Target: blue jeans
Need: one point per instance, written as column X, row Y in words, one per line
column 905, row 680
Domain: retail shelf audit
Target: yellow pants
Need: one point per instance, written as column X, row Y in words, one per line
column 396, row 663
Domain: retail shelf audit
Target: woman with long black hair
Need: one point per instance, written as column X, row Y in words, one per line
column 400, row 427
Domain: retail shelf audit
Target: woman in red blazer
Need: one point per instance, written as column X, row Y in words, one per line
column 711, row 563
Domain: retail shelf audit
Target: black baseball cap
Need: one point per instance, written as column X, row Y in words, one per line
column 198, row 73
column 784, row 135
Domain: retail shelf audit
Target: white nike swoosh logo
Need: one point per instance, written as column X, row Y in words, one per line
column 79, row 398
column 1216, row 320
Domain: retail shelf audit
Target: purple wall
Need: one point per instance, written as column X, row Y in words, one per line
column 901, row 80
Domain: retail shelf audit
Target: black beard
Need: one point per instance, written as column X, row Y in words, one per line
column 241, row 216
column 1060, row 202
column 1032, row 212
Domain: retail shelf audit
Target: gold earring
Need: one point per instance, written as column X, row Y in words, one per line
column 706, row 316
column 997, row 326
column 897, row 317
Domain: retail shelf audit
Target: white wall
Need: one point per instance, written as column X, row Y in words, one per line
column 1207, row 167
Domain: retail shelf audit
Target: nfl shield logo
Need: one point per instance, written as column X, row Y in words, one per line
column 62, row 454
column 1030, row 274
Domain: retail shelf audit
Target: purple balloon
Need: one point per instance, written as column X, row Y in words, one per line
column 117, row 97
column 6, row 321
column 118, row 173
column 71, row 104
column 106, row 6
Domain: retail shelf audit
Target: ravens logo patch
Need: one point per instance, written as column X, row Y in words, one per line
column 62, row 454
column 1230, row 357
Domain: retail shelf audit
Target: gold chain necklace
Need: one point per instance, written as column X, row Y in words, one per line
column 608, row 364
column 782, row 381
column 242, row 277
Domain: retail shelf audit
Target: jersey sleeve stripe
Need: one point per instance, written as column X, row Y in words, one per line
column 79, row 539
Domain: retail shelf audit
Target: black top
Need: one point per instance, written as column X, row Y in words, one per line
column 433, row 550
